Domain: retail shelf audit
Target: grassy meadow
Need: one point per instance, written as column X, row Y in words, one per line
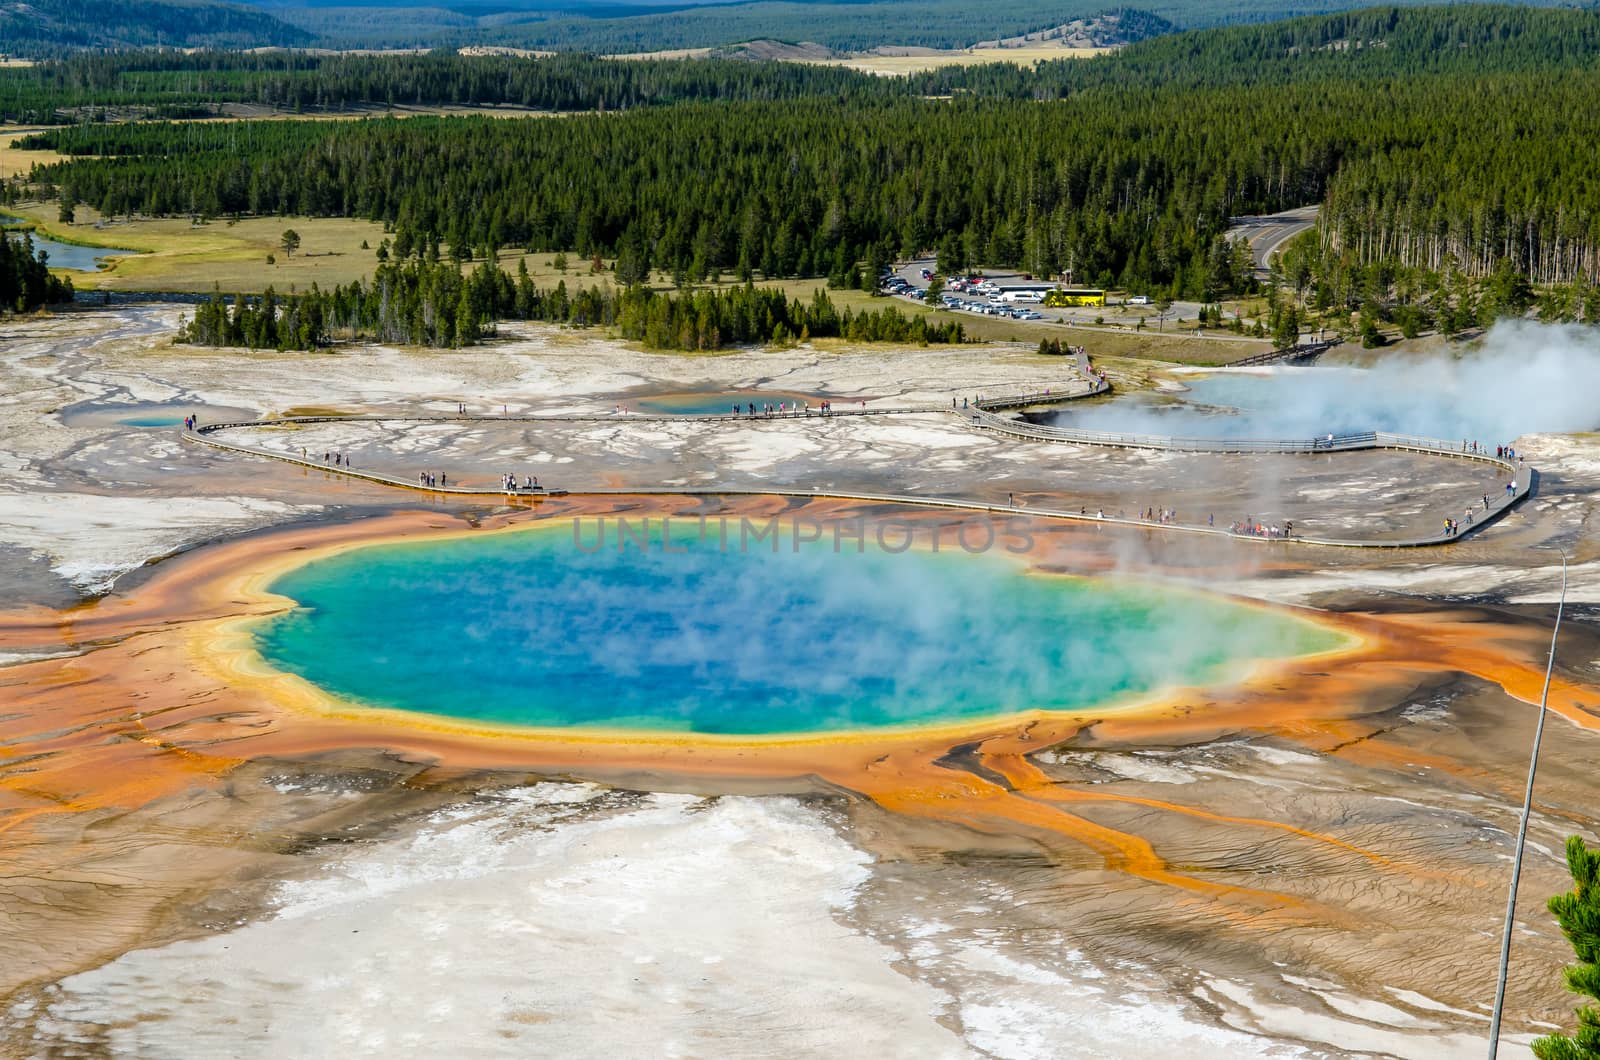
column 928, row 59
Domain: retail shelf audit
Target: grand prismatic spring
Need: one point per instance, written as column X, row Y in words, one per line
column 302, row 763
column 637, row 626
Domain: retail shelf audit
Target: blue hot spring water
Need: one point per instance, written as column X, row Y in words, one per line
column 528, row 628
column 718, row 403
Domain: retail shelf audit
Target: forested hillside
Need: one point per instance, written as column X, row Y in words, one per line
column 841, row 24
column 1381, row 44
column 1453, row 140
column 797, row 188
column 178, row 84
column 57, row 27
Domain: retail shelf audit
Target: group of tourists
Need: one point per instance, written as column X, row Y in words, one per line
column 777, row 408
column 331, row 458
column 1453, row 527
column 1250, row 528
column 1501, row 452
column 785, row 408
column 508, row 483
column 190, row 422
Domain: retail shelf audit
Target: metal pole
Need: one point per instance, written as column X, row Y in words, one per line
column 1522, row 828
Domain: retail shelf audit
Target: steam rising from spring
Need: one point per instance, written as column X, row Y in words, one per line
column 1522, row 378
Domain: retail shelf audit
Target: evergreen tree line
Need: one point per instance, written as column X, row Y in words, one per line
column 25, row 280
column 176, row 83
column 1129, row 185
column 1377, row 43
column 708, row 319
column 1132, row 191
column 415, row 302
column 1371, row 44
column 799, row 189
column 53, row 28
column 430, row 303
column 840, row 24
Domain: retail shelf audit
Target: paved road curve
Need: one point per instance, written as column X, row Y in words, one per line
column 1268, row 233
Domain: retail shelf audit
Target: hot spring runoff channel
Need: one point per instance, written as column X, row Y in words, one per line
column 528, row 628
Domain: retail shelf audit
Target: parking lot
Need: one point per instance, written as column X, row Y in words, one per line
column 908, row 281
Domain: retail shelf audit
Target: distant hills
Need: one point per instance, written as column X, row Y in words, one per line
column 837, row 25
column 36, row 28
column 615, row 26
column 45, row 28
column 1376, row 45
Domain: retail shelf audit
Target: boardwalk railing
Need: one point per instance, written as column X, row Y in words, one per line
column 1083, row 388
column 812, row 413
column 1305, row 351
column 1521, row 484
column 1336, row 443
column 523, row 496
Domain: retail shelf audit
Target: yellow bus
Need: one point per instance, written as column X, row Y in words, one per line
column 1072, row 296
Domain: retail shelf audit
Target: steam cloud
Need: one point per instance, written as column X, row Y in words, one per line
column 1522, row 378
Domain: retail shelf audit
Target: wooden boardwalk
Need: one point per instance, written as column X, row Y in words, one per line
column 978, row 414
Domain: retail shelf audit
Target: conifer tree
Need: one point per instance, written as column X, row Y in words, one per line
column 1578, row 913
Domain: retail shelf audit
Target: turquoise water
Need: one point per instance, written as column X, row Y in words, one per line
column 526, row 628
column 67, row 256
column 142, row 414
column 715, row 404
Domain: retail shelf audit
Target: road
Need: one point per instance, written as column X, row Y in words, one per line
column 1269, row 232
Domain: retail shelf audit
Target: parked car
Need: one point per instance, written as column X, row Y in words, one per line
column 1138, row 299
